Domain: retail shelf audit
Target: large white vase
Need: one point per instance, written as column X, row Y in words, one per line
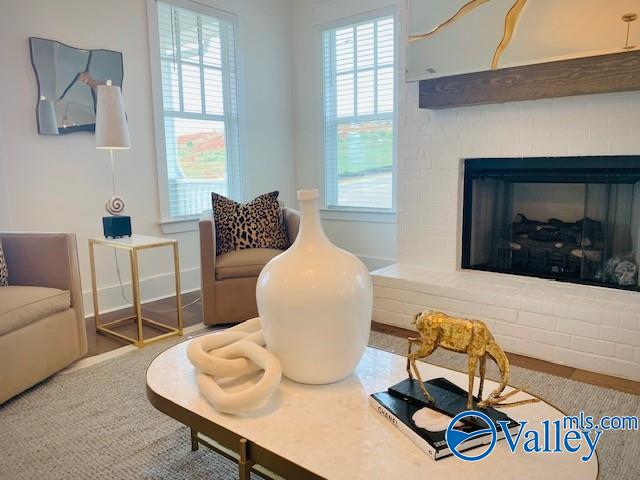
column 315, row 302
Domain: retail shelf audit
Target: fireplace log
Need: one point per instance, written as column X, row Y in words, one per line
column 593, row 255
column 556, row 230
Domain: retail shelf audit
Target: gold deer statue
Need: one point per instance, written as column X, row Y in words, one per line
column 472, row 337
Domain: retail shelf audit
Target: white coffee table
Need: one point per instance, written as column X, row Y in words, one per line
column 331, row 432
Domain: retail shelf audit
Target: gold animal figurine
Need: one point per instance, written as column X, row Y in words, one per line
column 464, row 336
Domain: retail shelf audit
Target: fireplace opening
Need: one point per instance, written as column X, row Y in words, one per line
column 573, row 219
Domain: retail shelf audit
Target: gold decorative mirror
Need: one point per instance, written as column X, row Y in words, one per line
column 451, row 37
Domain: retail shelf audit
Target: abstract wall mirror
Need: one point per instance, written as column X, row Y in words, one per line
column 67, row 81
column 451, row 37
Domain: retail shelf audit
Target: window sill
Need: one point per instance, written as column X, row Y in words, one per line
column 354, row 215
column 179, row 226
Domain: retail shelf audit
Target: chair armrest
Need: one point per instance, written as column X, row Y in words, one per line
column 47, row 260
column 291, row 222
column 43, row 260
column 207, row 228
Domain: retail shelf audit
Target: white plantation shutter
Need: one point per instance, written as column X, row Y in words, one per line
column 199, row 108
column 358, row 70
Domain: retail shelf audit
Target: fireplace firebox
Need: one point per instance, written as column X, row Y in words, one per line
column 574, row 219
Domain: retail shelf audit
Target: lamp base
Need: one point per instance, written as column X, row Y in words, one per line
column 116, row 226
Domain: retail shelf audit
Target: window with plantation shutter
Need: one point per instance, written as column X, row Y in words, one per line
column 199, row 110
column 358, row 63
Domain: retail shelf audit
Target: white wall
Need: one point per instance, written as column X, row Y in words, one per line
column 373, row 241
column 61, row 183
column 5, row 219
column 5, row 222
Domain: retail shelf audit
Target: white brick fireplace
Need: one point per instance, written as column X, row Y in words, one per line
column 592, row 328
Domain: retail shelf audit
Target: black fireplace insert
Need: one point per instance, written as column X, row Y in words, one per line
column 574, row 219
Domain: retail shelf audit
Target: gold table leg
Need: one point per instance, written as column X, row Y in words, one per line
column 176, row 267
column 135, row 286
column 94, row 286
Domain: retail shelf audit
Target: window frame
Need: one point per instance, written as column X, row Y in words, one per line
column 173, row 224
column 355, row 213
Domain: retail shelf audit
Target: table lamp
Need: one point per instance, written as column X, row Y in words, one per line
column 112, row 133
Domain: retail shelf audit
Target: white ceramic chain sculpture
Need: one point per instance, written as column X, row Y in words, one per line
column 235, row 352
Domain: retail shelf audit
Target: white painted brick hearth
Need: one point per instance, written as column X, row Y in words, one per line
column 529, row 316
column 593, row 328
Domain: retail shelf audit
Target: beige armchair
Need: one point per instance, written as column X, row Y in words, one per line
column 42, row 327
column 229, row 280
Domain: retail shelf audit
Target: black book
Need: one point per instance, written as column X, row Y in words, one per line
column 450, row 399
column 403, row 400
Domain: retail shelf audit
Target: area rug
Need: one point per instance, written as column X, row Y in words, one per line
column 96, row 423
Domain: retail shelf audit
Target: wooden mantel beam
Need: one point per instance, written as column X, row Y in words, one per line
column 614, row 72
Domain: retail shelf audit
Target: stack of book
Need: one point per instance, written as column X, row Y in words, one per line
column 400, row 403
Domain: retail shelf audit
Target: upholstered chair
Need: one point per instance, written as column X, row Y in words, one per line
column 42, row 327
column 228, row 281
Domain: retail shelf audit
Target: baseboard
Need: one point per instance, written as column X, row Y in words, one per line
column 152, row 288
column 162, row 286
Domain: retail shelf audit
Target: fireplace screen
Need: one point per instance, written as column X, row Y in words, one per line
column 572, row 219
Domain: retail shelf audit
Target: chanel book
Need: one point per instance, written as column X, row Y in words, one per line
column 402, row 406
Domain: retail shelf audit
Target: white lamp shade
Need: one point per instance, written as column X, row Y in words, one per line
column 112, row 130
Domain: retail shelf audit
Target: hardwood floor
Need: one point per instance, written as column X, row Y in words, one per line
column 164, row 311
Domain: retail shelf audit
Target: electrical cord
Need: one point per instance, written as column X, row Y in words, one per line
column 124, row 296
column 192, row 303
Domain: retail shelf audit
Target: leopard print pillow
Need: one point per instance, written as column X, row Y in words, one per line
column 257, row 224
column 4, row 273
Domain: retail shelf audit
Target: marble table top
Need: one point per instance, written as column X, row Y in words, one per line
column 134, row 241
column 332, row 431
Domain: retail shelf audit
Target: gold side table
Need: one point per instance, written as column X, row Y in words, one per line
column 133, row 245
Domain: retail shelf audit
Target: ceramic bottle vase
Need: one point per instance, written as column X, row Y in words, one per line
column 315, row 301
